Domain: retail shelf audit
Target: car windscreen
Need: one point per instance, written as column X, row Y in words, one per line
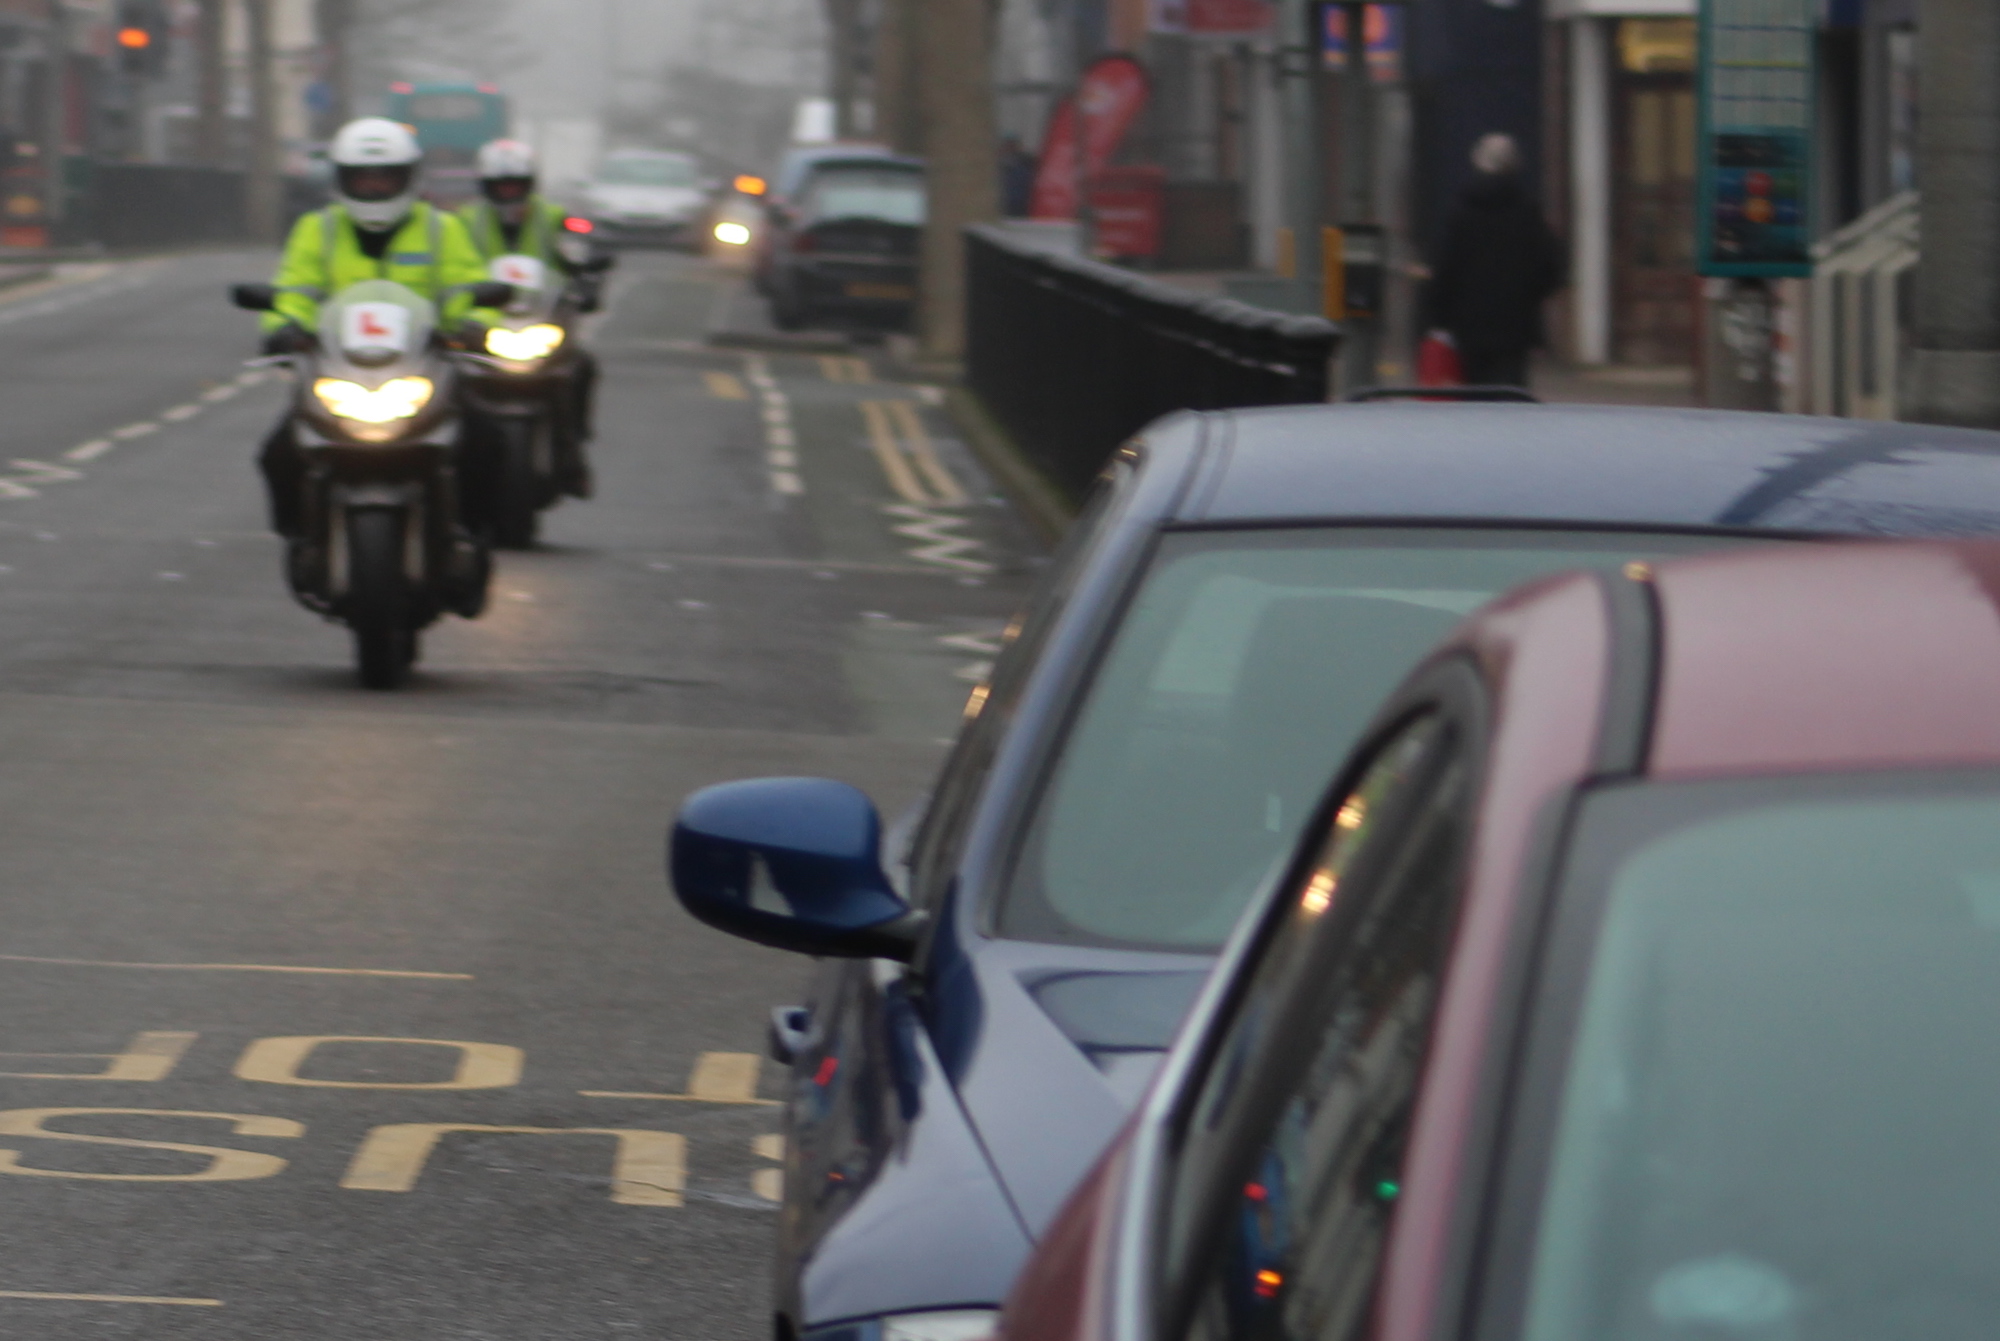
column 648, row 172
column 893, row 195
column 1245, row 667
column 1768, row 1067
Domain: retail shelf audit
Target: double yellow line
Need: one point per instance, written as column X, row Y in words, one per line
column 908, row 457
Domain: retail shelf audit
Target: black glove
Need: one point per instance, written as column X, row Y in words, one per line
column 467, row 334
column 289, row 340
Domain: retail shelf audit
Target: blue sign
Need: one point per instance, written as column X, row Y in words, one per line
column 1757, row 109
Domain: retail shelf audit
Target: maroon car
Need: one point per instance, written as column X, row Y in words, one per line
column 1639, row 980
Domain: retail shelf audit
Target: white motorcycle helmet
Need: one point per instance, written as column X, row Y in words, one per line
column 375, row 164
column 507, row 177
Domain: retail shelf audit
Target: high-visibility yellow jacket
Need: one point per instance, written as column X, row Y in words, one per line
column 539, row 233
column 429, row 253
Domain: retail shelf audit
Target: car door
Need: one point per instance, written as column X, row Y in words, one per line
column 863, row 1077
column 1287, row 1154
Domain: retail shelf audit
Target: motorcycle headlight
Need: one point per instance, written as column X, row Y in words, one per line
column 731, row 232
column 397, row 398
column 532, row 342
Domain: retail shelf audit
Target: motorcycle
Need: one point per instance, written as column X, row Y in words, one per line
column 377, row 419
column 528, row 390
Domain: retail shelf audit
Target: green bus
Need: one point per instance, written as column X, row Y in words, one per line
column 451, row 122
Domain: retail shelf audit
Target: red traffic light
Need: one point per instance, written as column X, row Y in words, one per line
column 134, row 39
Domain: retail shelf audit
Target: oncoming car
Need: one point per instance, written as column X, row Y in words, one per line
column 1000, row 978
column 647, row 197
column 1636, row 979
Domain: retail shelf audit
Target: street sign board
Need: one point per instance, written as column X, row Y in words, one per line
column 1757, row 84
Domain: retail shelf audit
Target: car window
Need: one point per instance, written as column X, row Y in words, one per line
column 891, row 195
column 1764, row 1073
column 990, row 707
column 1291, row 1153
column 648, row 172
column 1243, row 671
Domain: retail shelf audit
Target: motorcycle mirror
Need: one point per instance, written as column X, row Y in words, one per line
column 492, row 293
column 254, row 297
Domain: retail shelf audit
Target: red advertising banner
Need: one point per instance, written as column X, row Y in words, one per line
column 1108, row 99
column 1213, row 18
column 1126, row 217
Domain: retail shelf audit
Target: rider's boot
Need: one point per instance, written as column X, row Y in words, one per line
column 470, row 572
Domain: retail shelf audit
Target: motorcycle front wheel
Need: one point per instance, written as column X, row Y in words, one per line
column 517, row 490
column 378, row 597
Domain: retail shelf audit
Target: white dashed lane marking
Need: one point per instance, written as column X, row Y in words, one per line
column 42, row 473
column 780, row 459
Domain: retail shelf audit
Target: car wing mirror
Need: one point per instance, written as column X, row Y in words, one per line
column 793, row 863
column 492, row 293
column 254, row 297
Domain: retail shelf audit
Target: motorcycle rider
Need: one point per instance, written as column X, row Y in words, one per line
column 509, row 217
column 375, row 229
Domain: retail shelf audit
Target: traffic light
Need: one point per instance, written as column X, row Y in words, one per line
column 142, row 37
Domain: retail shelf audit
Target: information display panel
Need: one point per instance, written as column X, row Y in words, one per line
column 1757, row 94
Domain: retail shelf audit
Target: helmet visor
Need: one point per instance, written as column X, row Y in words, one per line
column 507, row 190
column 376, row 181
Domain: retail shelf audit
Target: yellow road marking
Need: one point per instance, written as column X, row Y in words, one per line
column 150, row 1056
column 718, row 1078
column 837, row 369
column 481, row 1066
column 236, row 968
column 225, row 1165
column 110, row 1298
column 725, row 386
column 650, row 1168
column 769, row 1183
column 683, row 1098
column 882, row 438
column 725, row 1077
column 947, row 489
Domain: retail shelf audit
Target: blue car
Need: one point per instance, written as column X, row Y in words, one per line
column 999, row 981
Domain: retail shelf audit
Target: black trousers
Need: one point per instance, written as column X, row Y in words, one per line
column 1494, row 367
column 284, row 478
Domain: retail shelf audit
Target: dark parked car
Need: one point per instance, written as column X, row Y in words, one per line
column 1637, row 979
column 1222, row 623
column 842, row 247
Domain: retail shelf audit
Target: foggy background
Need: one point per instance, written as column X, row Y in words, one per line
column 718, row 76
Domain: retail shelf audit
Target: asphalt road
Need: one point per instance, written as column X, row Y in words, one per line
column 336, row 1014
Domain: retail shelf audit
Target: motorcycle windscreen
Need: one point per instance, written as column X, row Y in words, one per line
column 375, row 323
column 536, row 288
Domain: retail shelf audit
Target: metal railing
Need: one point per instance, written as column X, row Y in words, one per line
column 137, row 205
column 1073, row 356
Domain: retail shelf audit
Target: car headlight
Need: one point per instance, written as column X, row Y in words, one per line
column 397, row 398
column 957, row 1324
column 735, row 234
column 532, row 342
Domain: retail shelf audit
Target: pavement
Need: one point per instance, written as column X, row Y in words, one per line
column 336, row 1014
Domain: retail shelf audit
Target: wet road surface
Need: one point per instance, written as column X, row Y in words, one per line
column 332, row 1014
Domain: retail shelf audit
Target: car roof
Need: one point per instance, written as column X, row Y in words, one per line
column 800, row 159
column 1600, row 465
column 1849, row 657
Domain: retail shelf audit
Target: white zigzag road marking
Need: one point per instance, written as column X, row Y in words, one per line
column 930, row 525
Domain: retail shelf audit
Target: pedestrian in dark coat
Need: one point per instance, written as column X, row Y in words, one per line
column 1499, row 263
